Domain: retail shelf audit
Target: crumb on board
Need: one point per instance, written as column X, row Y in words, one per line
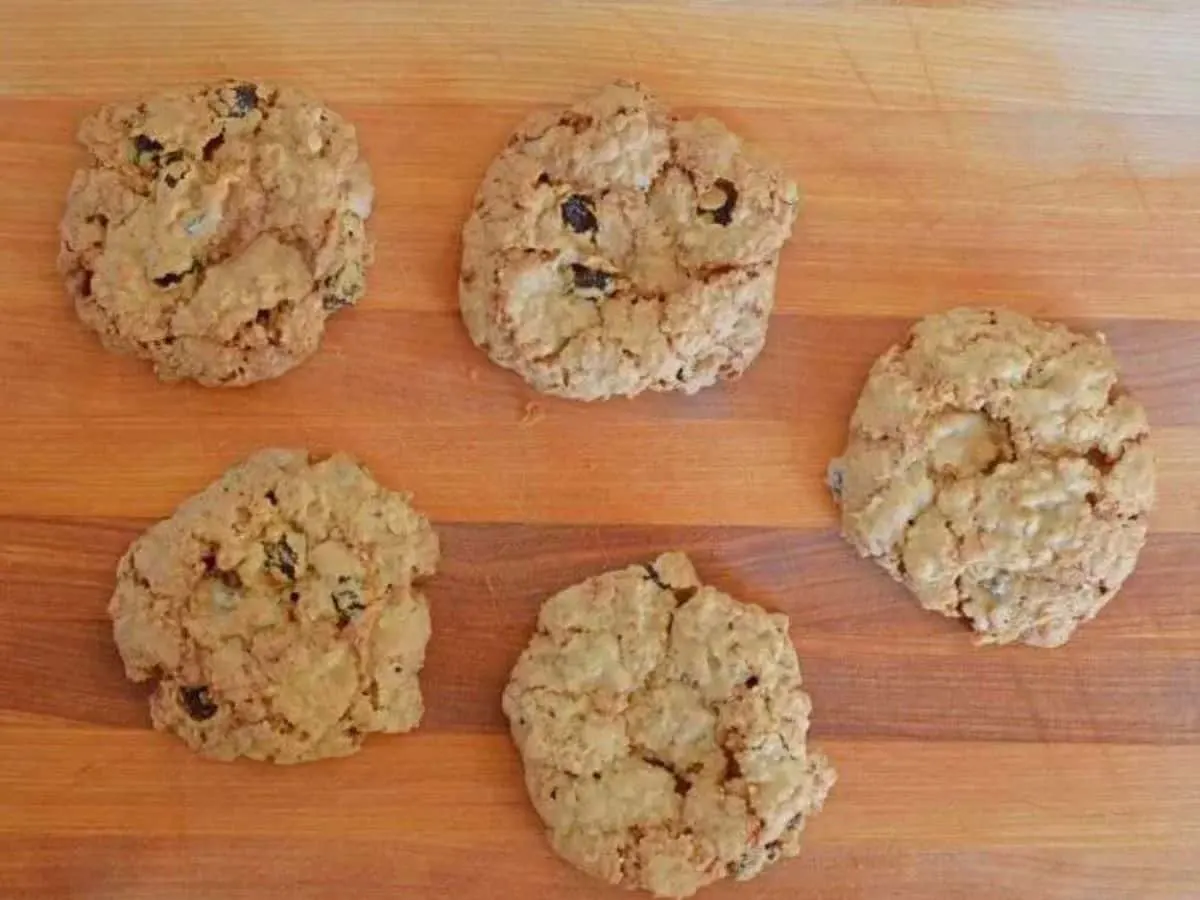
column 532, row 414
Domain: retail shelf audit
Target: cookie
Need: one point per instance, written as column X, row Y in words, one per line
column 662, row 727
column 999, row 470
column 614, row 248
column 215, row 231
column 276, row 611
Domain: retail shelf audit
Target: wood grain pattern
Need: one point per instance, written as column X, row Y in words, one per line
column 1040, row 153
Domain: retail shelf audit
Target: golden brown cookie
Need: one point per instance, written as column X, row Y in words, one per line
column 663, row 730
column 614, row 248
column 997, row 468
column 215, row 231
column 276, row 611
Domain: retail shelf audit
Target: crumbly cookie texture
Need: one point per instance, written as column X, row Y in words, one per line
column 614, row 248
column 215, row 231
column 277, row 613
column 997, row 468
column 663, row 731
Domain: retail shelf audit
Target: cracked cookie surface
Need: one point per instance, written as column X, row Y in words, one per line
column 276, row 611
column 614, row 248
column 663, row 731
column 997, row 468
column 215, row 231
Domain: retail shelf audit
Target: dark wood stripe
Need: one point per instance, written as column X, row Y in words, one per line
column 876, row 665
column 150, row 868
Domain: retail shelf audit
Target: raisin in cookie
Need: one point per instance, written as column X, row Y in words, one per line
column 277, row 611
column 997, row 468
column 614, row 248
column 215, row 231
column 663, row 727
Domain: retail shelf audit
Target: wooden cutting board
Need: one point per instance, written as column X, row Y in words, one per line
column 1043, row 154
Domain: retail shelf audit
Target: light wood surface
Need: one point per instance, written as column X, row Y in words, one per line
column 1044, row 154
